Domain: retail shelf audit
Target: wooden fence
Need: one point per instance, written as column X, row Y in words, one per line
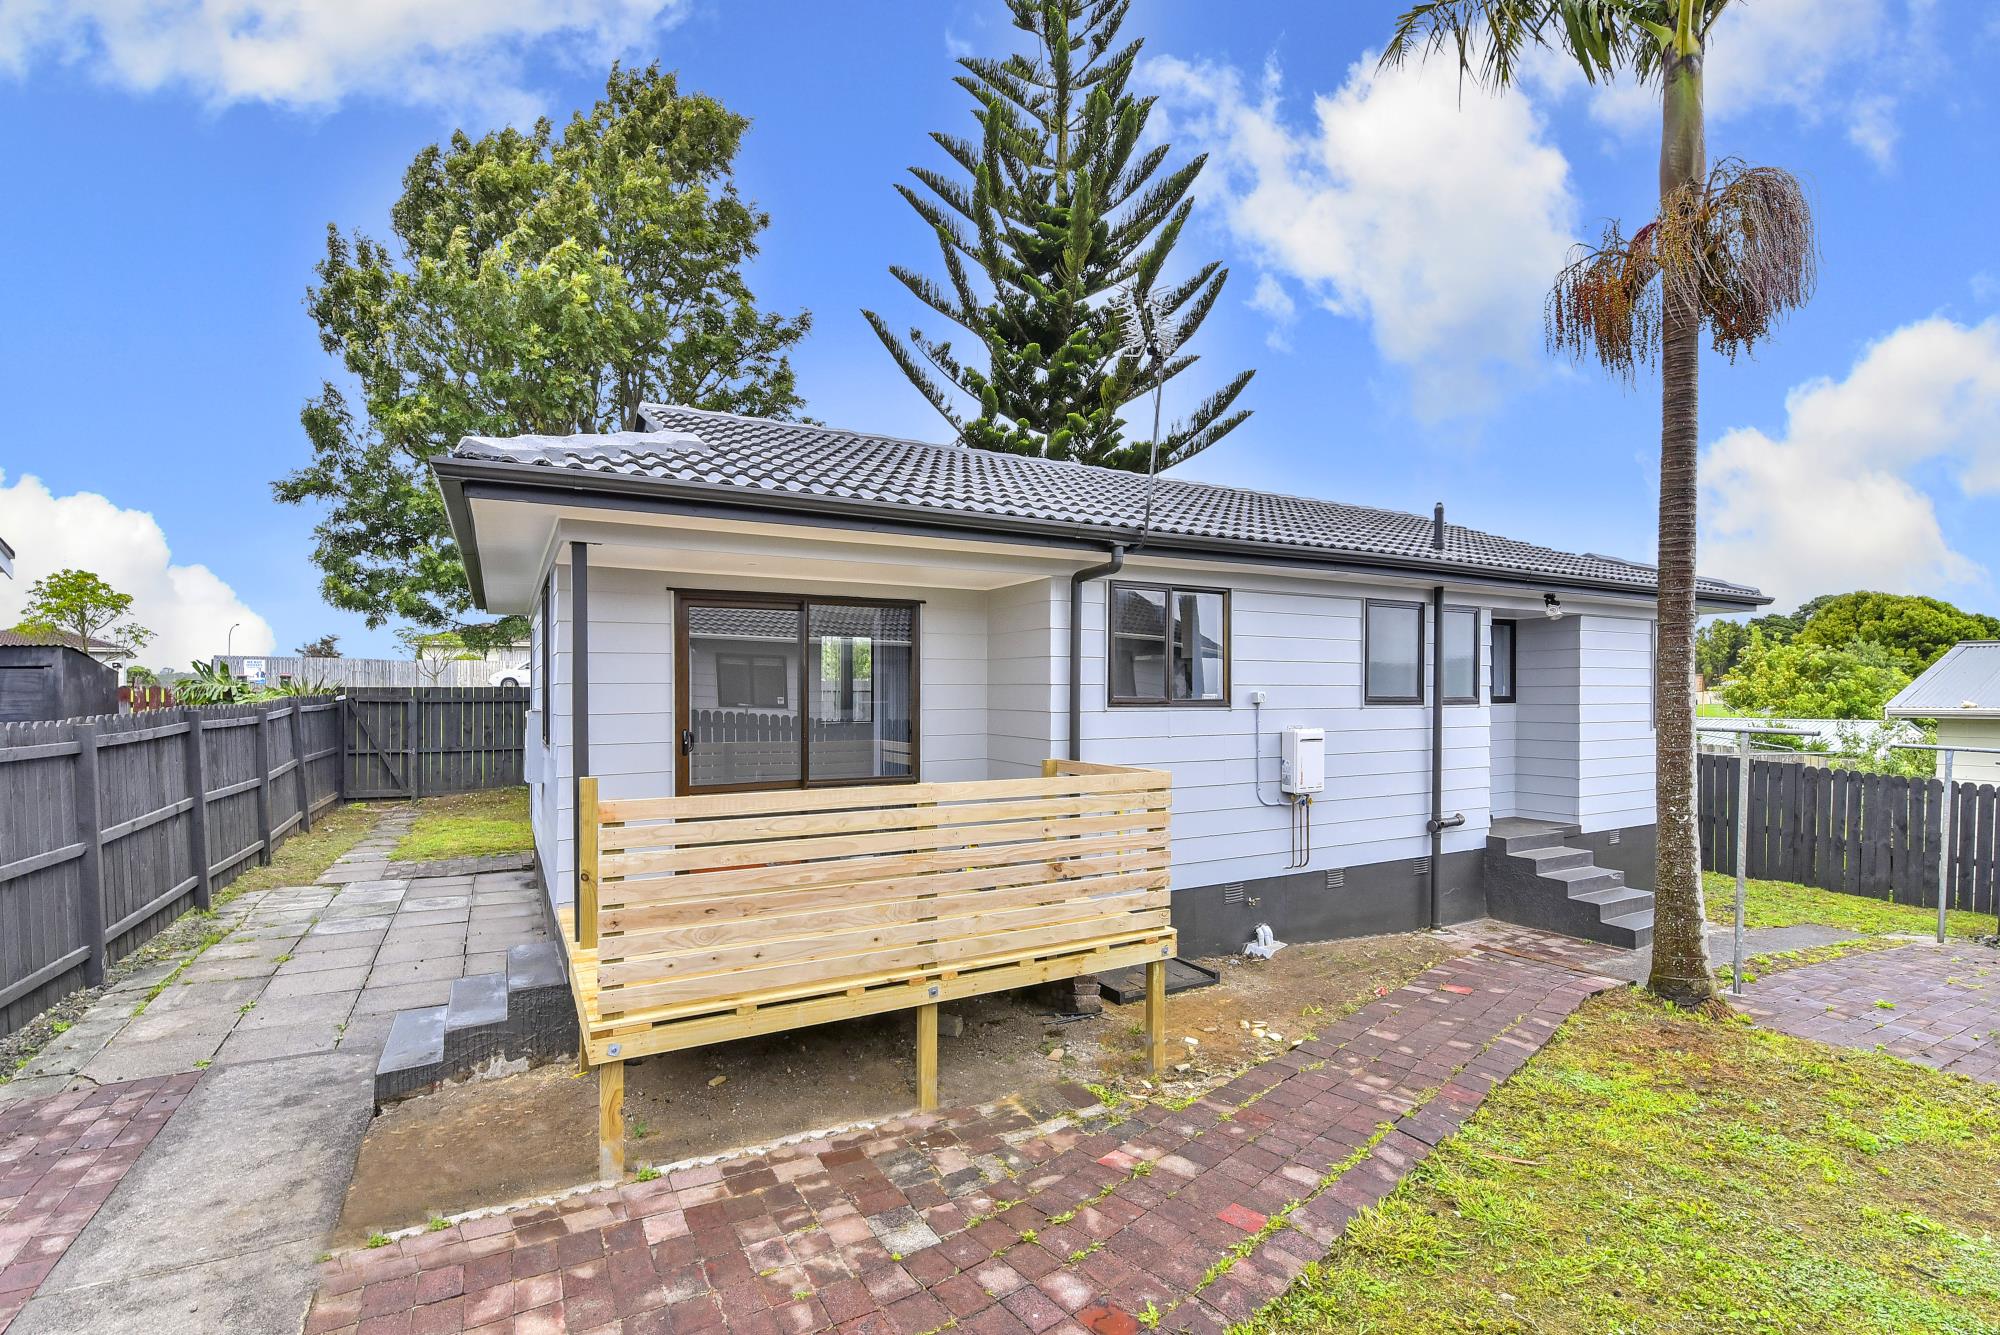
column 423, row 741
column 1865, row 834
column 112, row 826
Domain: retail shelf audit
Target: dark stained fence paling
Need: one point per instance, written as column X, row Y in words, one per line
column 1863, row 834
column 426, row 740
column 112, row 827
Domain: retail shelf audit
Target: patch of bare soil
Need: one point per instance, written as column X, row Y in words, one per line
column 496, row 1141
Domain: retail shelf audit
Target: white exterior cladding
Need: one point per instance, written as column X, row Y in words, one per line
column 994, row 697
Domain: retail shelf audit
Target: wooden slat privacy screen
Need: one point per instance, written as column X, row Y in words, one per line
column 731, row 903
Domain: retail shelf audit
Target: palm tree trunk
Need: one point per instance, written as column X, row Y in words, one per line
column 1681, row 971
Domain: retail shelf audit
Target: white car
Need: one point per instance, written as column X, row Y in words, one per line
column 513, row 676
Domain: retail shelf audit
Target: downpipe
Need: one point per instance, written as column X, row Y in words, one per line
column 1439, row 822
column 1077, row 580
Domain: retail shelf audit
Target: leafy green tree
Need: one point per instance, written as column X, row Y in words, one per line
column 1918, row 630
column 81, row 607
column 537, row 284
column 1067, row 222
column 1809, row 679
column 1719, row 646
column 326, row 646
column 1731, row 250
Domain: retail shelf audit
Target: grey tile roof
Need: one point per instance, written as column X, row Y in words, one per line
column 791, row 459
column 54, row 639
column 1966, row 680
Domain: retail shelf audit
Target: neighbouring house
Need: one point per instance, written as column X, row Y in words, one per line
column 1962, row 692
column 6, row 559
column 42, row 682
column 108, row 652
column 728, row 605
column 458, row 668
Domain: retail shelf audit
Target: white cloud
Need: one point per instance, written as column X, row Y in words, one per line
column 187, row 607
column 314, row 53
column 1273, row 301
column 1838, row 501
column 1816, row 58
column 1433, row 213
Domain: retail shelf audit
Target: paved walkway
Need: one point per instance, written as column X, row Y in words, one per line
column 1187, row 1218
column 218, row 1225
column 60, row 1159
column 1938, row 1005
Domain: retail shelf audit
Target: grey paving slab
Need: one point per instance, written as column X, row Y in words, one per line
column 437, row 968
column 316, row 982
column 159, row 1056
column 402, row 996
column 278, row 1040
column 315, row 942
column 330, row 1007
column 186, row 993
column 318, row 961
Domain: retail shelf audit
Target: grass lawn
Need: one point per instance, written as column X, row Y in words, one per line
column 1656, row 1171
column 468, row 825
column 1783, row 904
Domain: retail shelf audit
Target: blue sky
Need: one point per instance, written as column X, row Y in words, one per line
column 1389, row 243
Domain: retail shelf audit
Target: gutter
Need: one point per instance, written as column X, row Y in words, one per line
column 1077, row 580
column 1438, row 824
column 462, row 480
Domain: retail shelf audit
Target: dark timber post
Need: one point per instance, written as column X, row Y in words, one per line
column 299, row 764
column 342, row 725
column 414, row 729
column 90, row 869
column 197, row 783
column 579, row 692
column 263, row 750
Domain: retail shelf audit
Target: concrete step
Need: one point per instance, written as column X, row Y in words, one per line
column 1557, row 857
column 495, row 1023
column 1535, row 878
column 1638, row 927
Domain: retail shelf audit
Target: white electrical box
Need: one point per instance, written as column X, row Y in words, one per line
column 1302, row 760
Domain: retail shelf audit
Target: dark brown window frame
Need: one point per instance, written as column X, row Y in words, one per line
column 1367, row 634
column 803, row 604
column 1513, row 625
column 1472, row 699
column 1166, row 700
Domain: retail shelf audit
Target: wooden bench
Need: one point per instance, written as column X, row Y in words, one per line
column 709, row 918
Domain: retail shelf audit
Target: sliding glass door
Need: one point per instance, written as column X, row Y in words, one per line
column 790, row 692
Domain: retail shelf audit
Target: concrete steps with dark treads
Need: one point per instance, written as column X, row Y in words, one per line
column 1536, row 877
column 521, row 1017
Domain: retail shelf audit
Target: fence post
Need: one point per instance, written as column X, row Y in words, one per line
column 341, row 723
column 586, row 863
column 416, row 784
column 90, row 833
column 1944, row 848
column 197, row 782
column 263, row 744
column 299, row 766
column 1742, row 854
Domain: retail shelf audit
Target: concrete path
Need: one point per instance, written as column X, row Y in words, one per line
column 1185, row 1219
column 217, row 1225
column 1938, row 1005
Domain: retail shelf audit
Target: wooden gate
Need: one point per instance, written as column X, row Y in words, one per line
column 406, row 742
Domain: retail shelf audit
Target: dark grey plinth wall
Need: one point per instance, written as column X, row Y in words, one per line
column 1635, row 852
column 1319, row 906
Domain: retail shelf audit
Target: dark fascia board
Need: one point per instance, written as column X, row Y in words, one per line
column 490, row 479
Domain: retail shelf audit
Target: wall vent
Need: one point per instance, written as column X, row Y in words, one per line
column 1612, row 838
column 1336, row 877
column 1233, row 894
column 1421, row 866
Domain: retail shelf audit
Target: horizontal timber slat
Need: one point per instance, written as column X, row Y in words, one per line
column 626, row 810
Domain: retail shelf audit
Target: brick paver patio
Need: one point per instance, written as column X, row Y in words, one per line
column 1105, row 1220
column 1938, row 1005
column 60, row 1158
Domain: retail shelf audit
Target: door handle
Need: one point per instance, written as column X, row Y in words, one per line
column 687, row 741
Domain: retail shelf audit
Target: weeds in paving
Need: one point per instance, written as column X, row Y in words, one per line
column 647, row 1173
column 376, row 1240
column 438, row 1224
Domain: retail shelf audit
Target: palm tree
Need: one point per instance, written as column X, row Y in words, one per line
column 1732, row 248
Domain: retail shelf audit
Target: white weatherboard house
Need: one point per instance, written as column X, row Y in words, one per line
column 729, row 604
column 1962, row 692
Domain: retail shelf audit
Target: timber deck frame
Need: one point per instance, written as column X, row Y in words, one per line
column 708, row 918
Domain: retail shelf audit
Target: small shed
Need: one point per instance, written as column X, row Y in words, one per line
column 1962, row 692
column 43, row 682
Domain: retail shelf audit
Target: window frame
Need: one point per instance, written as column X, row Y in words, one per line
column 1165, row 699
column 1513, row 625
column 548, row 632
column 1367, row 636
column 1449, row 608
column 683, row 599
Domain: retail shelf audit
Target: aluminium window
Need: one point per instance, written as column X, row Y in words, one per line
column 1393, row 652
column 1503, row 661
column 1461, row 656
column 1167, row 646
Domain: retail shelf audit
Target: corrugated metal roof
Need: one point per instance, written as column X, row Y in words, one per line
column 793, row 459
column 57, row 639
column 1965, row 681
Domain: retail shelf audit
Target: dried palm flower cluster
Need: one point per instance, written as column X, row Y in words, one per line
column 1741, row 245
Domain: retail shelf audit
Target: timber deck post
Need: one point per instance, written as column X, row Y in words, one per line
column 586, row 862
column 927, row 1057
column 611, row 1120
column 1156, row 1018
